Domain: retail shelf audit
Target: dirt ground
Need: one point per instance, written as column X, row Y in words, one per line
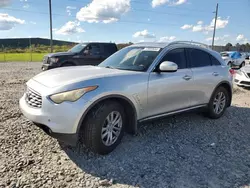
column 186, row 150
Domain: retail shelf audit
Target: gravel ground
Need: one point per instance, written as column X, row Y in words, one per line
column 186, row 150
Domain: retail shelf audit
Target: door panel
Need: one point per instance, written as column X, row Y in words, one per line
column 93, row 57
column 206, row 75
column 205, row 79
column 169, row 91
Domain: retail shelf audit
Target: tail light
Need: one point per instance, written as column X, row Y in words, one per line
column 232, row 71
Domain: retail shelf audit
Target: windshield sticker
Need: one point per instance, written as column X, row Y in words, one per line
column 152, row 49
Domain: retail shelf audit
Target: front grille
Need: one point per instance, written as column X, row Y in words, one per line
column 245, row 83
column 33, row 98
column 45, row 60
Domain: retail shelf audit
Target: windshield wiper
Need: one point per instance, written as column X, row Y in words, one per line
column 110, row 67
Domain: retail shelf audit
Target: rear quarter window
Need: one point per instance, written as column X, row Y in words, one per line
column 109, row 49
column 215, row 61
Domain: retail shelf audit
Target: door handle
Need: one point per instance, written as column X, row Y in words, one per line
column 187, row 77
column 216, row 74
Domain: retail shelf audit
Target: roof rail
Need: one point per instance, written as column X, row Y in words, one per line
column 190, row 42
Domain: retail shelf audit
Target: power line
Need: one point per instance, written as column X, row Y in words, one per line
column 120, row 21
column 134, row 10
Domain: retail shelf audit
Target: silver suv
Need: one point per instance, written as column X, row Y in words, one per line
column 95, row 105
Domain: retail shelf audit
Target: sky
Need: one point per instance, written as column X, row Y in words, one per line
column 123, row 21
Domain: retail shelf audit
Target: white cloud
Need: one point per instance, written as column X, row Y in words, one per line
column 200, row 22
column 8, row 22
column 242, row 38
column 70, row 28
column 167, row 39
column 4, row 3
column 198, row 28
column 26, row 6
column 105, row 11
column 69, row 9
column 186, row 26
column 144, row 34
column 220, row 23
column 223, row 38
column 34, row 23
column 201, row 27
column 156, row 3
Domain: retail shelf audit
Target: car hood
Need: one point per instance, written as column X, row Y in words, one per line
column 60, row 54
column 68, row 75
column 246, row 68
column 225, row 58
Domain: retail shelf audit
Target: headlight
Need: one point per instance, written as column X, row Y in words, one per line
column 239, row 72
column 72, row 95
column 54, row 60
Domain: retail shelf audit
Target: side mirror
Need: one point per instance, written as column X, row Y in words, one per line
column 168, row 66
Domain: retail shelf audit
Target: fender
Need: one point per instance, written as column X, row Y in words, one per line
column 133, row 120
column 231, row 90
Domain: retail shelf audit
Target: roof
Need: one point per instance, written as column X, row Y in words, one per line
column 152, row 44
column 175, row 43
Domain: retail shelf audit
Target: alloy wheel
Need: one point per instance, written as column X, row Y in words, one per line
column 111, row 128
column 219, row 102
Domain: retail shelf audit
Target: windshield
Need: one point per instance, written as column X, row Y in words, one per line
column 224, row 54
column 78, row 48
column 132, row 58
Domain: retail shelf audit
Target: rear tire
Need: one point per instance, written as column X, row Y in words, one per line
column 218, row 103
column 100, row 123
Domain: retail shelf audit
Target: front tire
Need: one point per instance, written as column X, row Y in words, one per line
column 103, row 128
column 218, row 103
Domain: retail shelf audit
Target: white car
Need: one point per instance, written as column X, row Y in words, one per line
column 242, row 76
column 233, row 58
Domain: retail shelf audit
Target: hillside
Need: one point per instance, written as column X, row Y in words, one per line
column 25, row 42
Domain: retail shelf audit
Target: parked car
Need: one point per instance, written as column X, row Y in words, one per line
column 97, row 104
column 81, row 54
column 242, row 76
column 247, row 56
column 233, row 58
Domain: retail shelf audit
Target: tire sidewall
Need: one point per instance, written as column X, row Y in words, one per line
column 211, row 107
column 98, row 123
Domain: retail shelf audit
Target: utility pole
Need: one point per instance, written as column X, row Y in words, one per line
column 215, row 22
column 30, row 49
column 51, row 35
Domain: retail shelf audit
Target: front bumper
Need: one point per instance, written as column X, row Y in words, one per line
column 48, row 67
column 242, row 80
column 59, row 121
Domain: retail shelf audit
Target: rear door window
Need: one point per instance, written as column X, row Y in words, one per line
column 198, row 58
column 109, row 49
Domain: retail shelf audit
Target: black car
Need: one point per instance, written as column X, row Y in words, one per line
column 81, row 54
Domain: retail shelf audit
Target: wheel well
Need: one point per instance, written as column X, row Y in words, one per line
column 130, row 111
column 228, row 88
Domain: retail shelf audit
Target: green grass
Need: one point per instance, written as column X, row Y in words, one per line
column 26, row 57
